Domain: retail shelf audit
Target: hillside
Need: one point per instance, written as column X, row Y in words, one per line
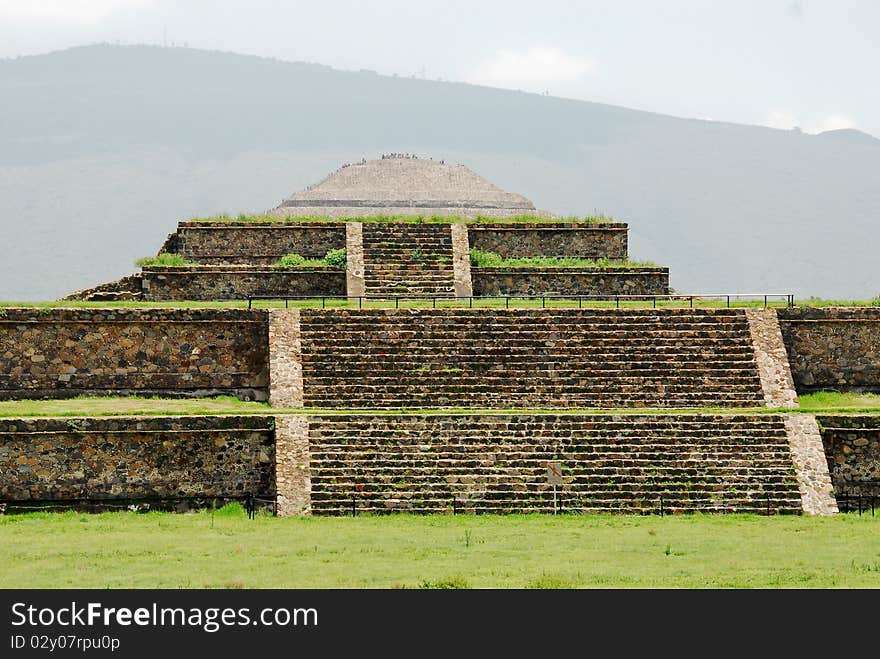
column 104, row 148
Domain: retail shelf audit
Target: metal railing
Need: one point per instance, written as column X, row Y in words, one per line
column 137, row 503
column 862, row 496
column 643, row 300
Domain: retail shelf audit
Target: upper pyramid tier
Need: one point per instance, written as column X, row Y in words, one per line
column 404, row 185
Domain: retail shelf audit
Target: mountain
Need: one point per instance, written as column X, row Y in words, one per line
column 104, row 148
column 850, row 135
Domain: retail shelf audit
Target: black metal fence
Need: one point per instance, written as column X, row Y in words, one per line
column 726, row 299
column 250, row 502
column 861, row 496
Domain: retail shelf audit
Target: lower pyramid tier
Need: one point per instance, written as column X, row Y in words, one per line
column 485, row 463
column 341, row 464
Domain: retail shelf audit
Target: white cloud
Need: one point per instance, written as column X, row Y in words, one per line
column 537, row 68
column 832, row 122
column 781, row 119
column 786, row 120
column 63, row 12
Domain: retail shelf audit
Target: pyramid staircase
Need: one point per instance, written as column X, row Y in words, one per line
column 498, row 463
column 408, row 259
column 493, row 358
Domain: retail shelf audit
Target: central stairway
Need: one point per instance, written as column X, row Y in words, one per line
column 408, row 259
column 528, row 358
column 497, row 463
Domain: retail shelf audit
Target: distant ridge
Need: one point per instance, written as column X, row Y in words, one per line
column 850, row 135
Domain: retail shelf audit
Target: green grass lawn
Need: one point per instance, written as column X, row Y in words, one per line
column 116, row 550
column 823, row 402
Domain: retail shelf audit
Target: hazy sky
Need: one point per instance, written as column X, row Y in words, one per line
column 781, row 63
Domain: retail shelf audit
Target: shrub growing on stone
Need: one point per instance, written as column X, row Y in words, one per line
column 337, row 258
column 163, row 258
column 481, row 258
column 290, row 261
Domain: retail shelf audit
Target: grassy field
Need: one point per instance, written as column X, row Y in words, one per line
column 226, row 550
column 823, row 402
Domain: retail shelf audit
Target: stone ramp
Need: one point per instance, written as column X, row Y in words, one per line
column 521, row 358
column 408, row 259
column 498, row 463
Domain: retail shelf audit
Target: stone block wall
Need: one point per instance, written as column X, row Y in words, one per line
column 121, row 457
column 833, row 348
column 852, row 448
column 237, row 282
column 498, row 463
column 588, row 241
column 570, row 281
column 63, row 353
column 255, row 243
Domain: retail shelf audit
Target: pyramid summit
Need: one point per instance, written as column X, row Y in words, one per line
column 403, row 184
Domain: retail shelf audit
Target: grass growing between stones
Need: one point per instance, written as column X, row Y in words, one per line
column 119, row 550
column 599, row 218
column 831, row 401
column 485, row 259
column 130, row 406
column 164, row 259
column 823, row 402
column 390, row 303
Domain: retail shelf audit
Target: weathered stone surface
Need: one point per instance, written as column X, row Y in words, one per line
column 498, row 463
column 408, row 259
column 570, row 281
column 811, row 467
column 198, row 456
column 403, row 186
column 292, row 467
column 62, row 353
column 354, row 246
column 587, row 241
column 238, row 282
column 460, row 357
column 285, row 358
column 772, row 359
column 461, row 261
column 126, row 288
column 852, row 449
column 833, row 348
column 255, row 243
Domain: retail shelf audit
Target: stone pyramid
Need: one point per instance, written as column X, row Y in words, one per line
column 400, row 184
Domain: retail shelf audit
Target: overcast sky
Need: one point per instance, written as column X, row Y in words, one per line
column 781, row 63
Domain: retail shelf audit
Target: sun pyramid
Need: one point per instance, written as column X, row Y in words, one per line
column 401, row 184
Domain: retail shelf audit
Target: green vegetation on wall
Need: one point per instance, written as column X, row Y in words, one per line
column 335, row 258
column 162, row 259
column 485, row 259
column 413, row 219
